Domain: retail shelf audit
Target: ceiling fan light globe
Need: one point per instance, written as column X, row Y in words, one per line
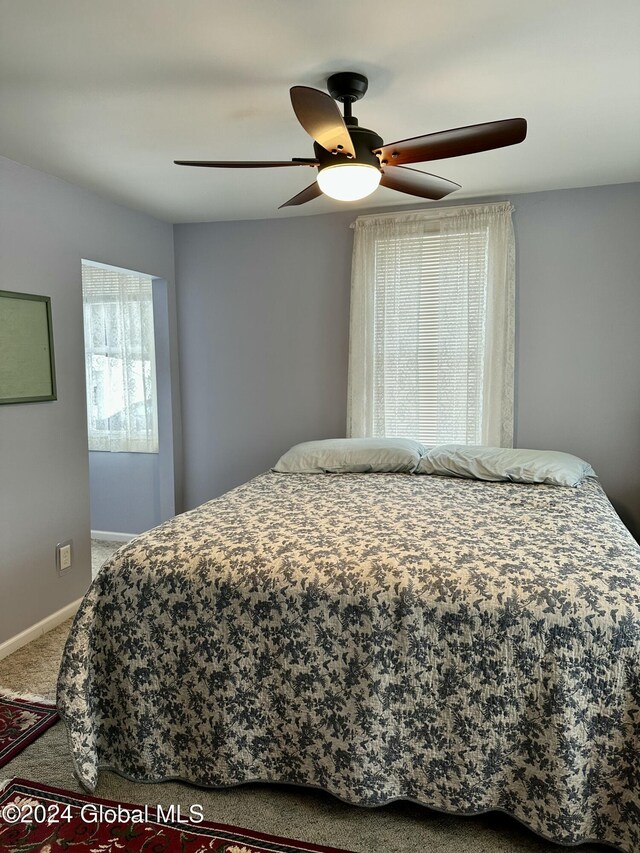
column 349, row 181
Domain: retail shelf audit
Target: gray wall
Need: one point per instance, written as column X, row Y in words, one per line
column 578, row 370
column 124, row 491
column 46, row 227
column 263, row 325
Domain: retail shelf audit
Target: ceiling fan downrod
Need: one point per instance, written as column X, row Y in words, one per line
column 347, row 87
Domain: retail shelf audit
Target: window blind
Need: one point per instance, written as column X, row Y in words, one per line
column 429, row 337
column 431, row 348
column 119, row 360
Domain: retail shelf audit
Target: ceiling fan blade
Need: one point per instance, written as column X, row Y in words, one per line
column 307, row 194
column 320, row 116
column 418, row 183
column 246, row 164
column 455, row 142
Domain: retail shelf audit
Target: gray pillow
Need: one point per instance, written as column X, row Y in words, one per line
column 502, row 463
column 352, row 455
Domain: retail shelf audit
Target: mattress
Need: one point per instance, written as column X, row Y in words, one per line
column 470, row 646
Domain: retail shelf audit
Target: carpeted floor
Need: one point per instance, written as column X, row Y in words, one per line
column 101, row 550
column 279, row 810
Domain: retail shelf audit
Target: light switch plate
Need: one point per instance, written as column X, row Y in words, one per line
column 63, row 556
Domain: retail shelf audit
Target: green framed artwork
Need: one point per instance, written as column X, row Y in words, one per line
column 27, row 369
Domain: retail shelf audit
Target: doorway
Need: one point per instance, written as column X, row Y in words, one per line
column 129, row 424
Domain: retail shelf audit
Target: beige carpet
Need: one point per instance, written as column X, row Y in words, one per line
column 280, row 810
column 101, row 550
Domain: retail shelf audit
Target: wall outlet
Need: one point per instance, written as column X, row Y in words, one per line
column 63, row 556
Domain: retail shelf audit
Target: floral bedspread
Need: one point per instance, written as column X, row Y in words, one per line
column 467, row 645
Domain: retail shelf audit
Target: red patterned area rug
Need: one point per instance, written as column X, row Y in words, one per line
column 35, row 817
column 22, row 720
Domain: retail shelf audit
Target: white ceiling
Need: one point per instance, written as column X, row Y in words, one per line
column 107, row 93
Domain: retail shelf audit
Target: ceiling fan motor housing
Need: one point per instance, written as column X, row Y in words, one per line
column 365, row 141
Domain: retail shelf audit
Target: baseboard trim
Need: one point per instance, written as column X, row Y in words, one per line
column 112, row 536
column 37, row 630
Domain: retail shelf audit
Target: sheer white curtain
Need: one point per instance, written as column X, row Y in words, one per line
column 119, row 360
column 432, row 326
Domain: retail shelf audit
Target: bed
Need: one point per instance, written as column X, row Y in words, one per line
column 467, row 645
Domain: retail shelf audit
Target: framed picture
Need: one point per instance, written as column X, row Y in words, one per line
column 27, row 369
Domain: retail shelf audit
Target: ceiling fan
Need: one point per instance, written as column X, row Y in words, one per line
column 352, row 160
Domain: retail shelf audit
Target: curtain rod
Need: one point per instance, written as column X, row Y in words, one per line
column 428, row 213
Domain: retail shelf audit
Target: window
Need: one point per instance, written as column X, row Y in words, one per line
column 119, row 359
column 432, row 319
